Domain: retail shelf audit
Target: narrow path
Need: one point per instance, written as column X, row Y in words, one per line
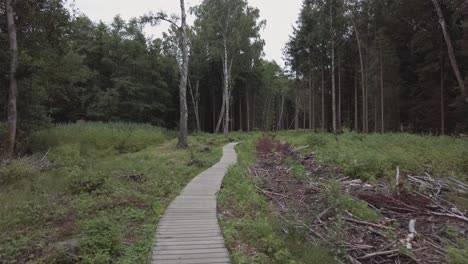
column 189, row 233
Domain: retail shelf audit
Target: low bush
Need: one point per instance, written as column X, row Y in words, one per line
column 16, row 170
column 101, row 241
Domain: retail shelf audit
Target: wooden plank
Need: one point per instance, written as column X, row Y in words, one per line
column 189, row 232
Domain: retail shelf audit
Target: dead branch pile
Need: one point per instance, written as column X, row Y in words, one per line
column 413, row 216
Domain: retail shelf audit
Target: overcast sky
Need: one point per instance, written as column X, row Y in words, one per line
column 279, row 14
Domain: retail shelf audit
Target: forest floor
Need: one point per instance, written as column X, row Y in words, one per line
column 94, row 193
column 288, row 203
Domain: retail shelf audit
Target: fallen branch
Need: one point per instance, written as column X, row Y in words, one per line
column 367, row 223
column 375, row 254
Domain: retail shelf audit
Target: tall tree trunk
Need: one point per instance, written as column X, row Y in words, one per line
column 362, row 75
column 451, row 53
column 240, row 113
column 247, row 104
column 356, row 109
column 310, row 94
column 280, row 122
column 323, row 100
column 333, row 71
column 213, row 109
column 304, row 112
column 382, row 114
column 226, row 88
column 296, row 112
column 340, row 123
column 195, row 102
column 13, row 88
column 183, row 124
column 442, row 95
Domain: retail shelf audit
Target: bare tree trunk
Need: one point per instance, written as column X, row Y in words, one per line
column 382, row 114
column 442, row 95
column 183, row 124
column 226, row 88
column 13, row 89
column 333, row 71
column 323, row 101
column 213, row 109
column 296, row 113
column 356, row 110
column 240, row 113
column 451, row 53
column 310, row 96
column 340, row 123
column 362, row 75
column 304, row 112
column 247, row 104
column 281, row 113
column 195, row 102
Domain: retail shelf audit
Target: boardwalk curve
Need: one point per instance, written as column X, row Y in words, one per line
column 189, row 232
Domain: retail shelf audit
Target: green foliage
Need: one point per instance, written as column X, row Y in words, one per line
column 458, row 255
column 16, row 170
column 101, row 241
column 88, row 190
column 344, row 202
column 297, row 168
column 375, row 156
column 96, row 139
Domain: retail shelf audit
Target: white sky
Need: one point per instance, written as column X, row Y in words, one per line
column 280, row 15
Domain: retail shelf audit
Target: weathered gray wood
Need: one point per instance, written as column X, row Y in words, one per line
column 189, row 232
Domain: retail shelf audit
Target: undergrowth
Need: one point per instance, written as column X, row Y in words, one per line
column 375, row 156
column 100, row 190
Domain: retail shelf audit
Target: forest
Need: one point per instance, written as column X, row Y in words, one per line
column 352, row 149
column 367, row 66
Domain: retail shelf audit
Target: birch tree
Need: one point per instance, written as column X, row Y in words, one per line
column 13, row 87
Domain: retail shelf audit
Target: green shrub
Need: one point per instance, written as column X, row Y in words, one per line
column 458, row 255
column 100, row 138
column 297, row 168
column 88, row 184
column 16, row 170
column 101, row 241
column 66, row 155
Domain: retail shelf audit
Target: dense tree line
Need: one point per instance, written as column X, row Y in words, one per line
column 381, row 65
column 371, row 66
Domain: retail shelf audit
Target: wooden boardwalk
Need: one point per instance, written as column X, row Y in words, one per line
column 189, row 233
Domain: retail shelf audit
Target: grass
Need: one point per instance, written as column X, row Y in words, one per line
column 376, row 156
column 103, row 193
column 252, row 230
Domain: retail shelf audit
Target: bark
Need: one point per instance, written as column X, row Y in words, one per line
column 296, row 113
column 382, row 114
column 221, row 116
column 362, row 75
column 281, row 113
column 226, row 92
column 323, row 101
column 240, row 113
column 451, row 53
column 340, row 123
column 247, row 103
column 13, row 88
column 356, row 110
column 310, row 96
column 183, row 124
column 195, row 102
column 442, row 96
column 333, row 73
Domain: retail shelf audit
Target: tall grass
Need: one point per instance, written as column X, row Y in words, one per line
column 105, row 138
column 374, row 156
